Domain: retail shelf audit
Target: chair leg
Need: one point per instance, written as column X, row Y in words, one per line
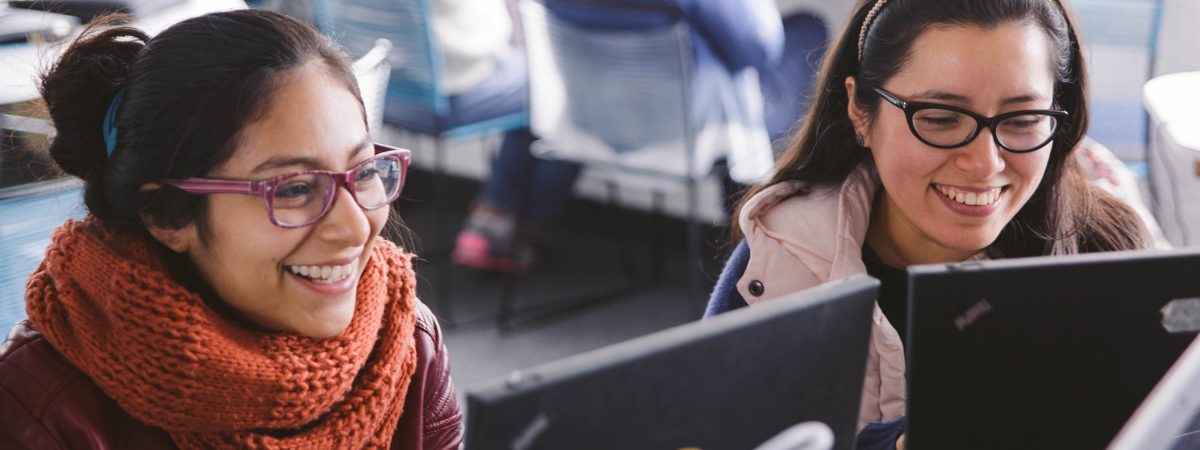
column 658, row 236
column 695, row 290
column 440, row 233
column 621, row 227
column 508, row 293
column 508, row 300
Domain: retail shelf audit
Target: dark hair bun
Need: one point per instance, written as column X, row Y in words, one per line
column 77, row 91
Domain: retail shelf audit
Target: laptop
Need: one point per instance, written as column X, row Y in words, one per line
column 736, row 380
column 1169, row 419
column 1048, row 352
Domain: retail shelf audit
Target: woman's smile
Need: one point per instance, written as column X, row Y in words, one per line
column 972, row 202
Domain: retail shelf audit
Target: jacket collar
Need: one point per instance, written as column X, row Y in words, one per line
column 841, row 213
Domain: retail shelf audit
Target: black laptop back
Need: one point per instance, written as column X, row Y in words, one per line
column 1040, row 352
column 731, row 382
column 1169, row 419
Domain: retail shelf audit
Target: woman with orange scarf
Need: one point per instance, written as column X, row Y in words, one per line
column 228, row 288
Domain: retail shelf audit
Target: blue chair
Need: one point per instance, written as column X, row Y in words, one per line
column 416, row 65
column 28, row 215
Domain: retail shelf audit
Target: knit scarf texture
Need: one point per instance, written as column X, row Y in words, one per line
column 106, row 302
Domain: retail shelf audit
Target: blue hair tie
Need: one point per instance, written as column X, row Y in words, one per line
column 110, row 133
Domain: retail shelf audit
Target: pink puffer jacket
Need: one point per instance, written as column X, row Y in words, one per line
column 797, row 242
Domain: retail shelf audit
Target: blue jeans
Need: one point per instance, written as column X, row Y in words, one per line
column 534, row 188
column 515, row 171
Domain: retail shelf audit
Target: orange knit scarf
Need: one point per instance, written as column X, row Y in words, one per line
column 106, row 303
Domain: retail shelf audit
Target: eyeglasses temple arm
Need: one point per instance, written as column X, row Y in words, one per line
column 209, row 186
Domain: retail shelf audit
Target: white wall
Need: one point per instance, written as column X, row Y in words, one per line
column 1178, row 40
column 832, row 12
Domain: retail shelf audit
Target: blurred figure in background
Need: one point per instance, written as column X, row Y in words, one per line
column 731, row 39
column 483, row 72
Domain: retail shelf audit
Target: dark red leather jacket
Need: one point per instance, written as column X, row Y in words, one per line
column 46, row 403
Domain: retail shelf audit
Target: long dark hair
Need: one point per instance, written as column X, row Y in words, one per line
column 1066, row 214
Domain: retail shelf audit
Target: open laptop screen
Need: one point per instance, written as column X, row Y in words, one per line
column 1052, row 352
column 733, row 381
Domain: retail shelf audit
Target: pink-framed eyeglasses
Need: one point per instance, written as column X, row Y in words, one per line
column 300, row 199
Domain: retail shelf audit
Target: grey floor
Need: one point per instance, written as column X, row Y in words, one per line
column 579, row 259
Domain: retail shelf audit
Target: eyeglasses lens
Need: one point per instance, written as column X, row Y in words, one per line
column 301, row 199
column 951, row 128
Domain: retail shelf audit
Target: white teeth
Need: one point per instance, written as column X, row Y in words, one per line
column 324, row 273
column 970, row 198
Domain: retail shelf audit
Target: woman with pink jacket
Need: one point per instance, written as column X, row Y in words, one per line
column 939, row 131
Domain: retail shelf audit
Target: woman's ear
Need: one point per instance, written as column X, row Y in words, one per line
column 179, row 240
column 858, row 117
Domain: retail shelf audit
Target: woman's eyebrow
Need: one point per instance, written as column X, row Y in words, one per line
column 934, row 94
column 358, row 148
column 307, row 161
column 285, row 161
column 945, row 96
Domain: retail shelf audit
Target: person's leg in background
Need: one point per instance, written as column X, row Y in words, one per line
column 522, row 192
column 489, row 239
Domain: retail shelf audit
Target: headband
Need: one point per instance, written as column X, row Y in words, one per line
column 862, row 34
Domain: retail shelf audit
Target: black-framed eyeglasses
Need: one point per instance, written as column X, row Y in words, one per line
column 300, row 199
column 948, row 127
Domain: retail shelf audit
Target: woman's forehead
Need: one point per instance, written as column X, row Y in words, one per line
column 312, row 116
column 981, row 65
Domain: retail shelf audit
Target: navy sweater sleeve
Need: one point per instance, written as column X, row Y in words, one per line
column 725, row 296
column 880, row 435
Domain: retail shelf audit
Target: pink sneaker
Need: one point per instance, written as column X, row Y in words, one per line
column 492, row 245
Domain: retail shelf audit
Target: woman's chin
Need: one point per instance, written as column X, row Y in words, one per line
column 325, row 330
column 326, row 324
column 969, row 242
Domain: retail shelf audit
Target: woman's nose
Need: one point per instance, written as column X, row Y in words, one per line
column 346, row 223
column 982, row 157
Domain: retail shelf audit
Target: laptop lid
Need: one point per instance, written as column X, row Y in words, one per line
column 1170, row 417
column 1049, row 352
column 733, row 381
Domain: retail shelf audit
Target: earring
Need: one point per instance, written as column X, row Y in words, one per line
column 858, row 139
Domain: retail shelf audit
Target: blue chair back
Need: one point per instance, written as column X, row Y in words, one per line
column 28, row 216
column 416, row 66
column 616, row 97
